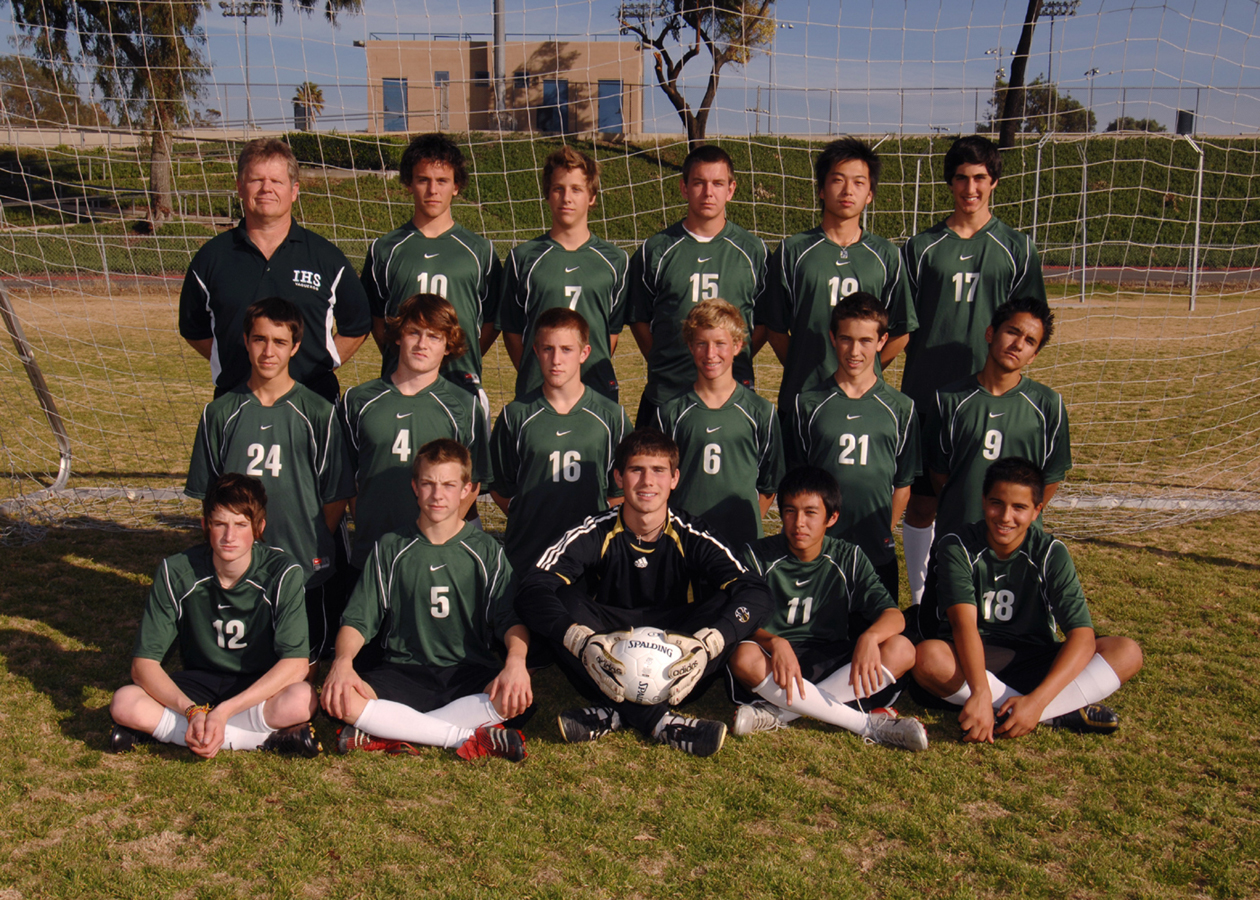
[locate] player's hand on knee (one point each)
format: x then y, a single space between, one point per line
976 720
595 652
866 674
342 683
786 668
1022 716
511 692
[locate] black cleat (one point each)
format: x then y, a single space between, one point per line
1092 719
296 740
123 739
578 726
699 737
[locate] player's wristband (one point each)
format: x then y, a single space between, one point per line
197 708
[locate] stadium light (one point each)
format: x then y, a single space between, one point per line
1054 9
246 10
1091 75
997 51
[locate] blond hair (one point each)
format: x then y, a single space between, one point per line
716 313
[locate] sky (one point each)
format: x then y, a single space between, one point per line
859 66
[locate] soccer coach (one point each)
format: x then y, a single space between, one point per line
270 255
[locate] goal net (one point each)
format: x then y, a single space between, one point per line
1149 236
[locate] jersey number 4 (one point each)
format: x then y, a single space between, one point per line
261 457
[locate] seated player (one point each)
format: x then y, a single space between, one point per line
1001 587
235 606
386 419
553 448
277 430
730 450
566 268
995 413
808 660
863 433
633 566
435 595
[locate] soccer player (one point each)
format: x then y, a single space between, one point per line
812 271
552 449
730 450
961 270
387 419
275 429
570 268
431 254
635 565
235 607
270 255
995 413
1001 587
435 595
863 433
808 659
700 258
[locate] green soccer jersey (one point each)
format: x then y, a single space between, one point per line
673 272
814 600
458 265
434 604
244 629
871 446
556 469
1019 600
726 457
541 275
384 428
975 428
296 448
809 274
957 284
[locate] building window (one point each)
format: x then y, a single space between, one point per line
553 114
610 119
394 95
442 99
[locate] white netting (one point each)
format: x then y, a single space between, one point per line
1150 239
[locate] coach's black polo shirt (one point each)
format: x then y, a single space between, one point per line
229 273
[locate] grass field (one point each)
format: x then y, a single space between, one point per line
1166 808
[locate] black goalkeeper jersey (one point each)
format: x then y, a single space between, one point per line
620 571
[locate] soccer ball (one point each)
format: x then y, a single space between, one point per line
646 655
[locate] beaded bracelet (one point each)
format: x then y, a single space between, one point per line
197 708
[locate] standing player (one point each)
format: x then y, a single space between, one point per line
808 660
436 593
275 429
998 412
387 419
270 255
553 448
1004 589
235 607
812 271
567 267
862 433
636 565
431 254
730 450
700 258
961 270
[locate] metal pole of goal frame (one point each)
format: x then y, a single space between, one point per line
1084 216
1198 224
36 377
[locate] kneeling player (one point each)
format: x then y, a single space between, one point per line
238 610
1003 586
436 593
631 566
806 661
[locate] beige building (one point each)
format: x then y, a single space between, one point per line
571 87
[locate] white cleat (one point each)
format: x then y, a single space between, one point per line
761 715
884 726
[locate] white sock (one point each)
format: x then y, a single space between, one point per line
251 719
1096 682
399 722
837 683
816 703
468 712
171 728
917 543
240 739
1000 690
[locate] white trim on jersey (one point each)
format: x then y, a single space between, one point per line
483 279
552 554
705 535
616 295
529 287
216 364
329 344
1014 266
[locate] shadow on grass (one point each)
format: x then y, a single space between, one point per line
1222 561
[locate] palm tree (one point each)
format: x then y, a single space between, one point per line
308 103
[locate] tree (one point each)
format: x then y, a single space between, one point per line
309 99
1013 101
146 58
33 93
1044 110
731 31
1128 123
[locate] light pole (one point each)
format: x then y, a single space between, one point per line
770 116
246 10
1089 110
1055 8
997 51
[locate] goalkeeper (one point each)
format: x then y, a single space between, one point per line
633 566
